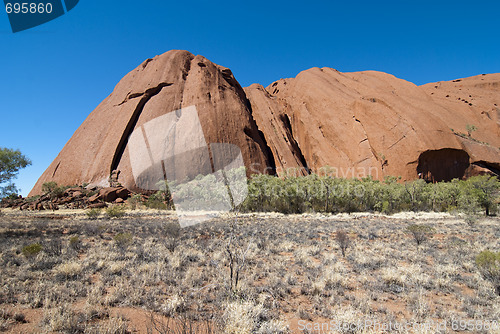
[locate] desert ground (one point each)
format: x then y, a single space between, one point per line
66 272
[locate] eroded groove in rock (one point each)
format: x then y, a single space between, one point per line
297 152
265 146
147 95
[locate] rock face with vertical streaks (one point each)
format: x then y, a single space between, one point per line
372 123
358 124
164 84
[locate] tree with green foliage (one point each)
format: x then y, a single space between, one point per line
324 193
51 188
486 190
420 232
11 161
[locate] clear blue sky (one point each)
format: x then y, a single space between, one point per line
54 75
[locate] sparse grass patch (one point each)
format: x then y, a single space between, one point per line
123 240
68 270
290 268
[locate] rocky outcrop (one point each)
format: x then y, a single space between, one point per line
71 198
358 124
372 123
164 84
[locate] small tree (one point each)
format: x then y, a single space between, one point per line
343 241
51 188
171 232
237 260
470 128
420 232
11 161
485 190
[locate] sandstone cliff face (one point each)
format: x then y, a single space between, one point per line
359 124
164 84
371 123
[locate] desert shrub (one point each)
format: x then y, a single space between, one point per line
93 213
123 240
172 229
178 325
418 193
48 187
343 241
420 232
162 199
51 188
171 232
32 250
68 270
471 219
114 325
53 247
157 201
291 193
8 317
488 263
75 243
242 317
134 201
245 317
115 211
63 319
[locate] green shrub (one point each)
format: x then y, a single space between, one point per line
93 213
123 240
75 242
157 201
48 187
488 263
51 188
324 193
134 201
115 211
32 250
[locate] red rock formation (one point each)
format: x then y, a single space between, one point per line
373 123
363 123
161 85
